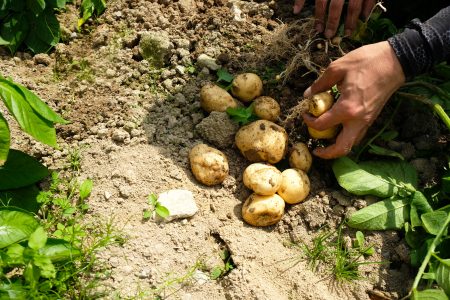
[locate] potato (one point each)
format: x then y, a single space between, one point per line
323 134
263 179
266 108
246 86
320 103
295 186
209 165
300 157
262 140
261 210
214 98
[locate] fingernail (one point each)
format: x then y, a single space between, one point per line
328 33
319 27
307 93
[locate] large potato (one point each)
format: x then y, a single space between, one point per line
320 103
246 87
295 186
262 140
266 108
300 157
214 98
209 165
263 179
261 210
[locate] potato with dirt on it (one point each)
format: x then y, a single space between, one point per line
246 87
319 104
209 165
300 157
295 186
214 98
266 108
262 140
263 179
259 210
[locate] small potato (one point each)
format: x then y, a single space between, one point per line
323 134
214 98
246 87
320 103
300 157
209 165
263 210
266 108
263 179
262 141
295 186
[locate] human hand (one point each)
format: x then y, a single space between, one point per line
366 78
355 9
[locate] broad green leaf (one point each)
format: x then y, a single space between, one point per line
432 221
443 275
415 236
152 199
359 242
59 250
45 34
162 211
431 276
5 140
374 149
14 30
13 291
56 3
242 115
389 135
88 8
386 214
418 254
430 294
419 206
15 254
24 198
147 214
224 75
3 42
45 265
15 226
216 272
99 6
31 122
382 179
20 170
85 189
36 6
37 239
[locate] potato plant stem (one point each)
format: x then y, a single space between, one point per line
428 85
430 252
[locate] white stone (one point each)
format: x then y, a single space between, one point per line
200 277
204 60
179 203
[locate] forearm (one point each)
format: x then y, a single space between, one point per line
422 45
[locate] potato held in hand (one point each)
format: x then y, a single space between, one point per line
319 104
263 210
209 165
214 98
262 141
295 186
263 179
266 108
300 157
247 87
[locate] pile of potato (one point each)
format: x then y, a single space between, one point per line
262 142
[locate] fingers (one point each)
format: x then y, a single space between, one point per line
334 14
298 5
353 12
327 120
344 143
332 75
367 8
320 11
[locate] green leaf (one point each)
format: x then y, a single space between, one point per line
14 30
45 34
56 3
430 294
24 198
443 275
59 250
389 135
13 291
216 272
429 276
147 214
30 121
20 170
432 221
45 265
224 76
374 149
152 199
99 6
15 254
5 140
359 242
37 239
162 211
382 179
419 206
386 214
242 115
36 6
85 189
15 226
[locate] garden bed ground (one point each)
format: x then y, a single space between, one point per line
134 124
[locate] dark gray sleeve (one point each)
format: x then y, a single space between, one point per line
421 45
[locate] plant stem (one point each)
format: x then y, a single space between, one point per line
428 85
430 252
437 108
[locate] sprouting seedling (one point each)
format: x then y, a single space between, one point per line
359 245
156 207
242 115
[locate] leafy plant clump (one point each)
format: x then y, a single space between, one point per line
90 8
155 207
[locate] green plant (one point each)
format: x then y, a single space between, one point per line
242 115
155 207
90 8
32 23
220 271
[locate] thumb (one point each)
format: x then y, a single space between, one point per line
326 81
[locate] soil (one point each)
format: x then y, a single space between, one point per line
135 123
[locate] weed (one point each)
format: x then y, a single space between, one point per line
155 207
220 271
